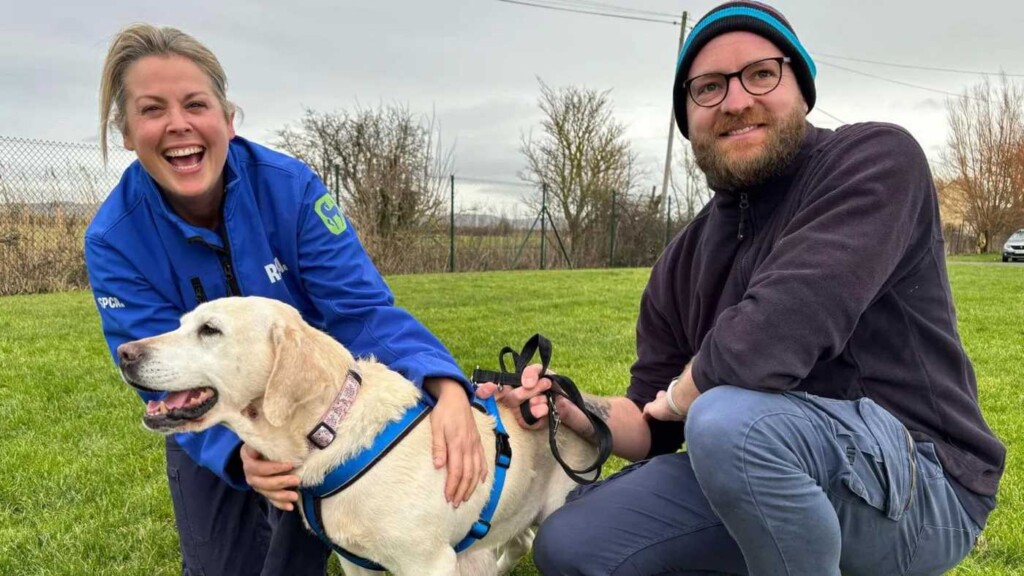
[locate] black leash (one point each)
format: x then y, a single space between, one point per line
562 386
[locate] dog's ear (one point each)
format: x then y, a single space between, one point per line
296 375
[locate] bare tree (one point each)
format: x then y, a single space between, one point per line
689 185
390 169
581 156
983 181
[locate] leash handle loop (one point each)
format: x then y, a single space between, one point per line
561 386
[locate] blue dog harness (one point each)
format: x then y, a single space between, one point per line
352 469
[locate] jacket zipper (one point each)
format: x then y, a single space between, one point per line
197 288
224 256
229 273
225 262
744 215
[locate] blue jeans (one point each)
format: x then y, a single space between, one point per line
228 532
772 484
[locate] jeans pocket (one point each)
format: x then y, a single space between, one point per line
862 473
898 455
938 550
928 463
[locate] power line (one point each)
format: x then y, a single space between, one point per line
575 7
900 82
613 7
915 67
593 13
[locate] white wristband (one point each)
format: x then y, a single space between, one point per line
672 403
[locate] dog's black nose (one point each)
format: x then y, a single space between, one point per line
129 352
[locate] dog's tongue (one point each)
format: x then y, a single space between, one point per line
180 399
173 400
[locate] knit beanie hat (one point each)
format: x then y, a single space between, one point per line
746 16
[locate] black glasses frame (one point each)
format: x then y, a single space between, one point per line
737 74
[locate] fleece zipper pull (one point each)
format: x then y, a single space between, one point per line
744 209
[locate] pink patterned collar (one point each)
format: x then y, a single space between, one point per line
326 430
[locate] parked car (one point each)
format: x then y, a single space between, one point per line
1014 247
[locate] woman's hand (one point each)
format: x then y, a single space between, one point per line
269 478
456 440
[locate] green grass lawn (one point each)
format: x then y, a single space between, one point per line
82 488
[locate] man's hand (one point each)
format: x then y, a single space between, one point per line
683 395
456 440
270 478
532 390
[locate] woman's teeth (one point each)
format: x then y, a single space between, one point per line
185 159
184 151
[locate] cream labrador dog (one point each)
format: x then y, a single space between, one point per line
255 365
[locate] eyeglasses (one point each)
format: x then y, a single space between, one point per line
757 78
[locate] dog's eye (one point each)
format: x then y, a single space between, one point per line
209 330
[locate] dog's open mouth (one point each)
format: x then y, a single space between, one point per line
179 408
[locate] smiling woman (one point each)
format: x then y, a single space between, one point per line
180 132
206 214
172 110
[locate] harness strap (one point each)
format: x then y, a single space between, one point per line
562 386
354 468
502 460
311 510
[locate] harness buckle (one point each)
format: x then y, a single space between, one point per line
480 529
321 436
503 450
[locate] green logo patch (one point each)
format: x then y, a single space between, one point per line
328 211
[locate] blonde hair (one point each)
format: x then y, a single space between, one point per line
138 41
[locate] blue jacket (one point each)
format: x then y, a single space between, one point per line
282 236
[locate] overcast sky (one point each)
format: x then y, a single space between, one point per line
475 63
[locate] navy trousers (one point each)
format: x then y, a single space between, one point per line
772 484
228 532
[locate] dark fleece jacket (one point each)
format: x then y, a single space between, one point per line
830 279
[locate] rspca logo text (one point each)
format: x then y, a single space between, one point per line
275 270
109 302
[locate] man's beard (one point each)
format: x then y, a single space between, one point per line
785 137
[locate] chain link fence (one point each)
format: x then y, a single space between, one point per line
515 225
49 192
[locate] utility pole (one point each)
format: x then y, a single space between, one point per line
672 116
